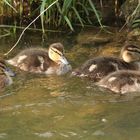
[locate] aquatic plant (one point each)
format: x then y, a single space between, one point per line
69 12
66 13
131 11
136 19
136 23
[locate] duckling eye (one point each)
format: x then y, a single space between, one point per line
57 52
136 50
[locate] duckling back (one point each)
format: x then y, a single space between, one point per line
31 54
95 69
99 67
28 60
37 60
122 82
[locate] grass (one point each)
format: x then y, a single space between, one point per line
65 13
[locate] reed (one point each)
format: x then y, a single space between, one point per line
135 17
65 13
136 23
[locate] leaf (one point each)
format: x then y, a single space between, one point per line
66 6
96 13
86 11
68 22
10 5
78 16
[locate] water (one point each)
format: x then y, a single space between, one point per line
38 107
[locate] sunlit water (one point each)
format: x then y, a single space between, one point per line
38 107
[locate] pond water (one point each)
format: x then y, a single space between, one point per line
38 107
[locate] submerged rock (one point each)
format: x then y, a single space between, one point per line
94 37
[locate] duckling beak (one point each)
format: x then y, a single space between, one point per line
64 60
10 72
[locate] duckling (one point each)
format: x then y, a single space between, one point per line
5 75
38 60
96 68
122 81
130 53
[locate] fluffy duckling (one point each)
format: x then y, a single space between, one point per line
5 75
130 53
37 60
96 68
122 81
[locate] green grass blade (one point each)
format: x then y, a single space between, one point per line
43 4
68 22
86 11
78 16
10 5
60 11
84 8
66 6
136 21
96 13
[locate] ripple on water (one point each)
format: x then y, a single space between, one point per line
49 134
19 106
3 135
68 134
45 134
64 107
98 133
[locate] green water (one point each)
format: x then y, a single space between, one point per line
38 107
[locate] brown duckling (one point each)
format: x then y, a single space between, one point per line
122 81
130 53
38 60
96 68
5 75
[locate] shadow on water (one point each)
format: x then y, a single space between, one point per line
40 107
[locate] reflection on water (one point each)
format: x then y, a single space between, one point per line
40 107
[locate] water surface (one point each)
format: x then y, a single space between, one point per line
38 107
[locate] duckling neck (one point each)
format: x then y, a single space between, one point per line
9 80
137 65
63 68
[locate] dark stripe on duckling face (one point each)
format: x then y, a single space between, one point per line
58 46
136 49
56 51
130 53
2 67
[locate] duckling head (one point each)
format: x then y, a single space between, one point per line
5 70
56 53
130 53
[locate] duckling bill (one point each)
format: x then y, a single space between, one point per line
38 60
